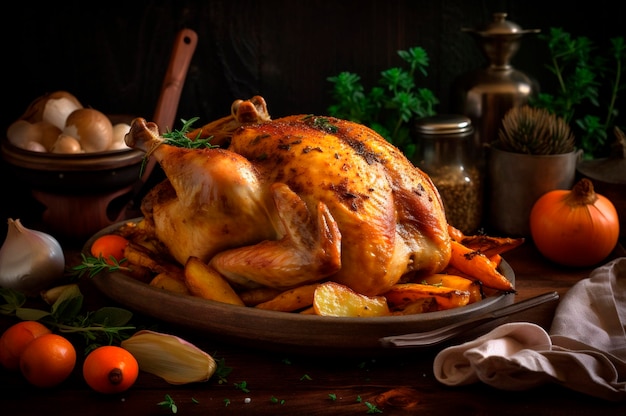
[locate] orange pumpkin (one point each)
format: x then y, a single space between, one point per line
576 227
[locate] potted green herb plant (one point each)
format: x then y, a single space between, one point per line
588 82
534 153
389 107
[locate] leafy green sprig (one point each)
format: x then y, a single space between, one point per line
222 371
92 266
243 386
389 107
582 76
105 326
169 403
179 138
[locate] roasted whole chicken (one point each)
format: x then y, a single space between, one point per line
294 200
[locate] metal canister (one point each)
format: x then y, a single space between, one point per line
447 153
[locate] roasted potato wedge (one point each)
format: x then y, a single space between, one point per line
334 299
291 300
253 297
205 282
170 282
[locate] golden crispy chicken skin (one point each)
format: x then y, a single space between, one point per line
295 200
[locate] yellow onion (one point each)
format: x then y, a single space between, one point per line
119 133
91 128
66 144
38 136
53 108
169 357
30 260
49 133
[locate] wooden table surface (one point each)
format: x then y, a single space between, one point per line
281 384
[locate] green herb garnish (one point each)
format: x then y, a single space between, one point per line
169 403
583 74
322 123
179 138
276 401
222 371
389 107
104 326
371 408
243 386
95 265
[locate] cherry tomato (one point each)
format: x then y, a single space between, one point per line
48 360
15 339
110 369
109 245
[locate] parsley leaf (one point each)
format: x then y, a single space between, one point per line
388 107
242 386
169 403
222 371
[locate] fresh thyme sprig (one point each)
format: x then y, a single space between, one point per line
94 265
106 326
179 138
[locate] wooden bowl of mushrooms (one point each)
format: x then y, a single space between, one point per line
75 161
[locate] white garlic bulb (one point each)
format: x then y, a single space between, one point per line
30 260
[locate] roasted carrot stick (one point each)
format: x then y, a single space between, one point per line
477 265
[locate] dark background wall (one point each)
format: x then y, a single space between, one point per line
113 55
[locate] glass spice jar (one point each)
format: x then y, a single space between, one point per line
446 151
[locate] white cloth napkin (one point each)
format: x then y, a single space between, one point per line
585 349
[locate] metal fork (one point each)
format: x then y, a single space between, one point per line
436 336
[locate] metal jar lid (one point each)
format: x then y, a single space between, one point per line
444 124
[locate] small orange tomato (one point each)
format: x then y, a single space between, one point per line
48 360
15 339
110 369
109 245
